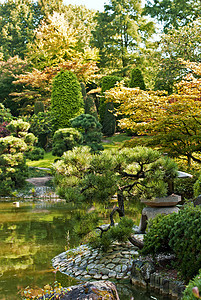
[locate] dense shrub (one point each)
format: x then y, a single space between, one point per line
41 125
137 79
38 107
5 115
191 293
90 129
66 98
180 234
35 154
106 110
65 139
120 233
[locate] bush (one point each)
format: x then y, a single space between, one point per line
36 153
197 187
65 139
66 98
106 110
137 79
189 293
38 107
180 234
90 129
41 125
120 233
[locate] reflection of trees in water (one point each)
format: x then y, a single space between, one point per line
35 241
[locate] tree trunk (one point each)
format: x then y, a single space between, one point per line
136 242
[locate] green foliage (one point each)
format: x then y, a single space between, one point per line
106 110
120 233
173 13
38 107
109 82
180 234
13 169
137 79
90 107
190 292
118 32
197 187
65 139
41 125
84 224
90 128
35 154
83 176
5 115
66 98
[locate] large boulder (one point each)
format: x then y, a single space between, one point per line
89 290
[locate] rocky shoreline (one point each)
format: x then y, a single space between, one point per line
86 263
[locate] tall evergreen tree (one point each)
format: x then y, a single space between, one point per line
16 26
173 13
66 98
119 30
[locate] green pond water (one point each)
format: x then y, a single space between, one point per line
32 234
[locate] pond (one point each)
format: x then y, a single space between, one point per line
32 234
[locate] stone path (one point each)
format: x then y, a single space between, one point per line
86 263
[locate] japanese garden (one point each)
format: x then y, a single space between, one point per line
100 150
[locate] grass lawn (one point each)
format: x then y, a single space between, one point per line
115 141
46 162
110 142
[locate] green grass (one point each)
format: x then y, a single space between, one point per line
46 162
112 142
115 141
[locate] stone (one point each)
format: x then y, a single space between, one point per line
92 272
124 268
141 271
112 274
97 276
110 266
91 266
89 290
104 271
104 277
118 269
78 259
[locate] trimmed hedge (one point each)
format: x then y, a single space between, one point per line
66 98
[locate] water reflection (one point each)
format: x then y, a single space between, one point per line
31 235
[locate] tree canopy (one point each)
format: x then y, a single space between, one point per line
172 122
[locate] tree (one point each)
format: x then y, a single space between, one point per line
173 13
5 118
66 100
182 43
8 71
41 125
91 131
172 122
13 169
65 139
119 30
106 110
137 79
136 173
57 46
17 25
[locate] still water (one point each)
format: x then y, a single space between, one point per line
32 234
